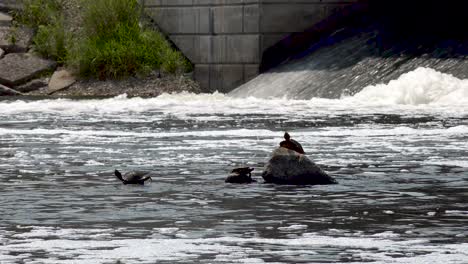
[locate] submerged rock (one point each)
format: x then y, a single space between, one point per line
290 167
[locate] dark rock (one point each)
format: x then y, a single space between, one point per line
5 91
289 167
32 86
240 175
18 68
2 53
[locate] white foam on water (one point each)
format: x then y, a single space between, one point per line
166 230
254 133
457 213
421 86
386 234
93 163
292 227
423 90
448 162
88 246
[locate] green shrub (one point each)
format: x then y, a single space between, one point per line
51 41
104 17
114 45
111 43
44 16
172 61
38 12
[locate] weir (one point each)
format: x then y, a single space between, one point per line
328 43
226 39
373 45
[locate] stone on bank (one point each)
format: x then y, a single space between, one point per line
5 91
15 40
32 85
19 68
5 19
60 80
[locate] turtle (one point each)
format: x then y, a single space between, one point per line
243 170
291 144
241 175
134 177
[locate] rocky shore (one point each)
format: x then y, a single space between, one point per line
149 86
22 72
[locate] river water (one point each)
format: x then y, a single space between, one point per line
399 152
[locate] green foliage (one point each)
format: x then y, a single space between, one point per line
38 12
114 45
44 16
111 44
13 35
105 17
51 41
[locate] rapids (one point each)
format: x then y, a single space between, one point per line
399 151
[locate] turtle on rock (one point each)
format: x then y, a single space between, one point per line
291 144
134 177
241 175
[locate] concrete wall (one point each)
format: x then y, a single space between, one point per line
225 39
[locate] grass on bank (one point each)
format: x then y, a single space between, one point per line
45 17
110 42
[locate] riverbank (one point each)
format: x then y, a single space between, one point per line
25 70
149 86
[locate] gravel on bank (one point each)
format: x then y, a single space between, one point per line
150 86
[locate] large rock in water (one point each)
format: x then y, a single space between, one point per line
289 167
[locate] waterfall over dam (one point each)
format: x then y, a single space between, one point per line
370 49
328 43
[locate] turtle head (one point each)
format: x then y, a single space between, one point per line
286 136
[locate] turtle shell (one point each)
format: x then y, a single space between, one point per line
134 177
292 145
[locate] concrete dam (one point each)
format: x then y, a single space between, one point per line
231 41
225 39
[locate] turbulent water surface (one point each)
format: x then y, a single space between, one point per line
399 152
